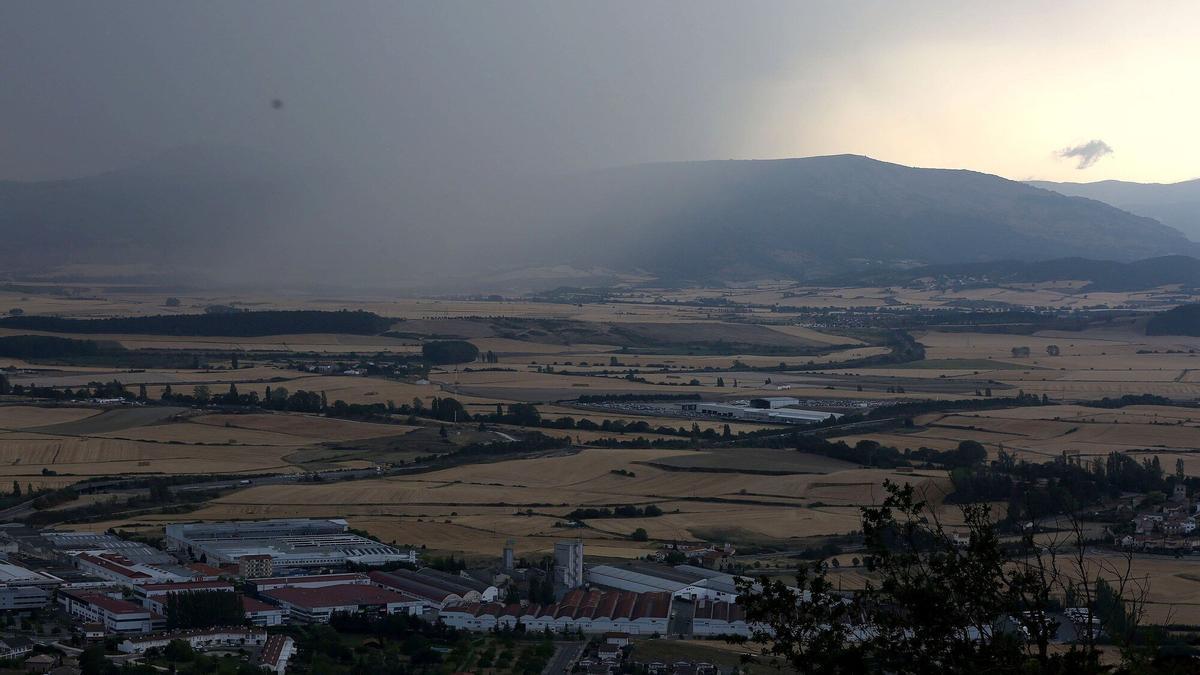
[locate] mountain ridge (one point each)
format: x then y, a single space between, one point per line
790 215
1175 204
222 209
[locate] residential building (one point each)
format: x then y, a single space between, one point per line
618 639
276 653
201 638
40 663
14 647
255 566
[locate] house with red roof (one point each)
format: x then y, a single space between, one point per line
117 616
276 653
260 613
316 605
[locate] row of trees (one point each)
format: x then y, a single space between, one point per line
1062 485
623 511
203 609
236 324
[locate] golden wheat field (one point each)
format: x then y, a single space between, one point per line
29 417
1044 432
474 508
78 442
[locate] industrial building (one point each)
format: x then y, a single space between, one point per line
579 610
773 402
309 581
767 411
14 576
290 543
712 619
568 565
22 588
117 616
683 582
317 605
23 598
116 567
433 590
260 613
70 544
487 592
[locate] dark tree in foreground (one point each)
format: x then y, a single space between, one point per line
941 604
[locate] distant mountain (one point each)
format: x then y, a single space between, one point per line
1174 204
1103 275
239 216
804 217
190 206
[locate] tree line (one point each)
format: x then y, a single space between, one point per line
623 511
238 324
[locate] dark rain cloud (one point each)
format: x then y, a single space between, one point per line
1087 154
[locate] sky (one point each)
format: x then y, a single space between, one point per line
442 90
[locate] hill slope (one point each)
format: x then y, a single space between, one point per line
804 216
1174 204
192 206
1182 320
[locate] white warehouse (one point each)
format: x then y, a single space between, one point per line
777 415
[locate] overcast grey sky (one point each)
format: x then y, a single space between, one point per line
429 87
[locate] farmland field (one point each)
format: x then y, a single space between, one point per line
452 510
666 345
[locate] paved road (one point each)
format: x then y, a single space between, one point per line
565 655
277 479
18 511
